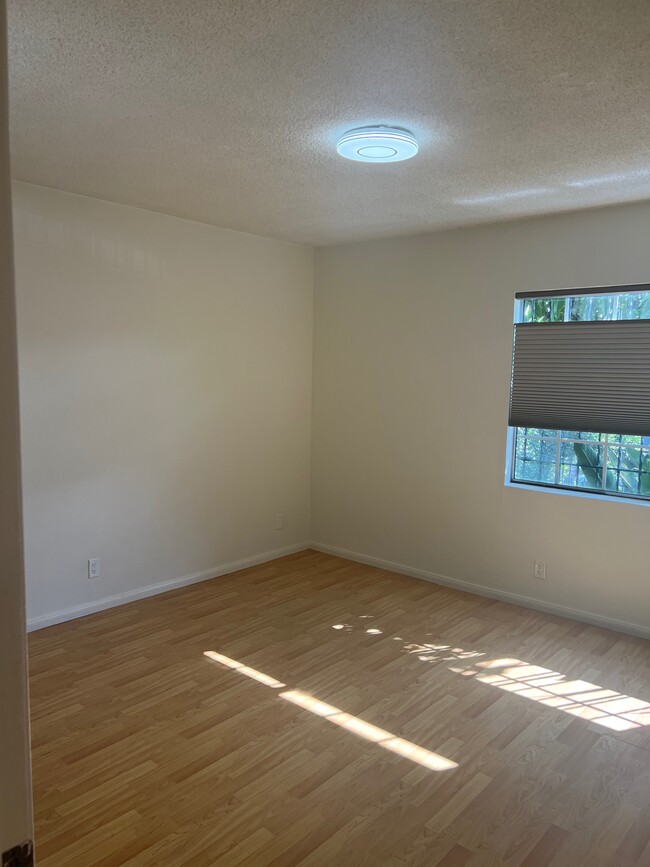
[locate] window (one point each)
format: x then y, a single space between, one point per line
611 463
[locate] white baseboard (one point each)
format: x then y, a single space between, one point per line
61 616
490 592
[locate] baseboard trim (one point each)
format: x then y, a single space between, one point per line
491 592
65 614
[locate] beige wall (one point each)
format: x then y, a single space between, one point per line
412 360
166 398
165 371
15 790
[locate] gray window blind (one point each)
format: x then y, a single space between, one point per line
585 376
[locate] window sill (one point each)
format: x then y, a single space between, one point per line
583 495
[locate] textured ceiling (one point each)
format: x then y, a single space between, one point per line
227 111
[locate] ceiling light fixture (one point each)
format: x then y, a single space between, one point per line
377 144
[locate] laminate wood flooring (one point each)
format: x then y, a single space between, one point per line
348 716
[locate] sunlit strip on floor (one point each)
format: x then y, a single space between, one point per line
382 738
351 723
245 669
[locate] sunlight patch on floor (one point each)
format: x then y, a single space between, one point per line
576 697
351 723
552 689
370 732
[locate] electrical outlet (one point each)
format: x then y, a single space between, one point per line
540 570
93 568
279 521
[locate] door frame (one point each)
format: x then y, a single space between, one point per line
16 816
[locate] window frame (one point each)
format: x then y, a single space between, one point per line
601 493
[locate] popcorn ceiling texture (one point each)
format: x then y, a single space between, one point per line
227 111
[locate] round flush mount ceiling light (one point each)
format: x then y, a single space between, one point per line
377 144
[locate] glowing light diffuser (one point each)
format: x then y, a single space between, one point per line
377 144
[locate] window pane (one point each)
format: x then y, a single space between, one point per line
589 436
630 470
581 435
569 469
632 440
581 461
537 432
629 305
624 466
544 309
535 459
581 464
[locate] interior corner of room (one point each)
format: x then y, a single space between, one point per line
325 441
169 422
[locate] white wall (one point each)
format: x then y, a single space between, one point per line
166 397
165 374
412 360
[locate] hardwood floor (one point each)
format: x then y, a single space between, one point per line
533 731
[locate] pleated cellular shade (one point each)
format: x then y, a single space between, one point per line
582 376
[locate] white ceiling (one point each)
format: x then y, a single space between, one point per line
227 111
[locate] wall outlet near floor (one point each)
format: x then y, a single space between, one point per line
540 570
279 521
93 568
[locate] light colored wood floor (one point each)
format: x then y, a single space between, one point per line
146 752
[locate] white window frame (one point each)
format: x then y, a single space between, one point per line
557 488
